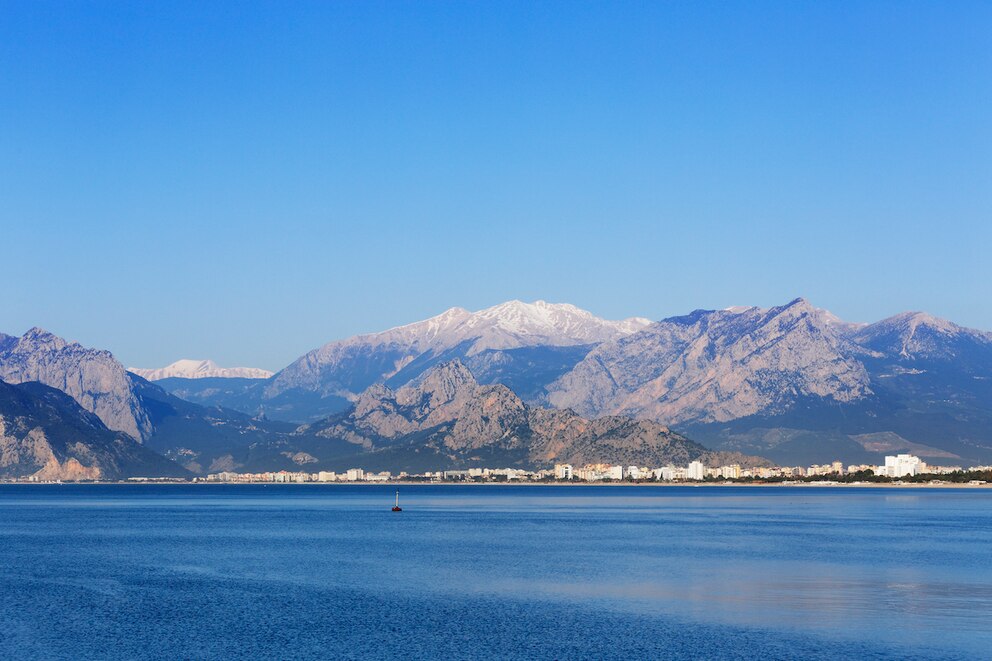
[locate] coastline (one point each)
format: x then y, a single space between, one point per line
398 483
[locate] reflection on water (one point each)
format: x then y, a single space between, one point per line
889 572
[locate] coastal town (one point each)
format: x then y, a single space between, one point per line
895 467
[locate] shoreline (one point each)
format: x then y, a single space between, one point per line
398 483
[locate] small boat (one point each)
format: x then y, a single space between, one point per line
396 507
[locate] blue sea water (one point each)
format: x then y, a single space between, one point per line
598 572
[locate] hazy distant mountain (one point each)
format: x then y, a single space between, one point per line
228 392
350 366
201 437
45 433
199 369
446 418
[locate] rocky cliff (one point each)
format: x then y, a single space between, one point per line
44 433
449 414
713 366
92 377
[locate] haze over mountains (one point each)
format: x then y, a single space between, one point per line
532 383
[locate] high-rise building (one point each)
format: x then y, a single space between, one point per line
695 471
900 466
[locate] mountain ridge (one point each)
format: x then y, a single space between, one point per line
92 377
788 382
460 422
187 368
44 433
712 366
545 338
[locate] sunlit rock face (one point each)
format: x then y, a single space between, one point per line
92 377
449 412
715 366
45 434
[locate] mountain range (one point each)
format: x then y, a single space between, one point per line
199 369
524 345
45 433
446 419
791 383
794 383
124 402
474 425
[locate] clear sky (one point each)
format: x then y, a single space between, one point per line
246 181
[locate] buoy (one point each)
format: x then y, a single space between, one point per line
396 507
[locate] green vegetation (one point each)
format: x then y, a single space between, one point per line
957 477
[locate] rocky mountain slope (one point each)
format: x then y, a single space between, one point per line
918 336
793 383
442 417
92 377
525 345
193 435
797 385
44 433
447 419
199 369
714 366
349 366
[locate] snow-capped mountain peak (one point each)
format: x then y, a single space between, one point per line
558 323
919 335
199 369
511 325
507 325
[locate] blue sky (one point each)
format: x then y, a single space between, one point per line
245 181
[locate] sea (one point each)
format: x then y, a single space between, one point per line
494 572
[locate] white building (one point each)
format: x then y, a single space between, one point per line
695 471
731 472
563 471
901 465
356 474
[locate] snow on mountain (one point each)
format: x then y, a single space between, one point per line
347 367
505 326
913 335
199 369
515 323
